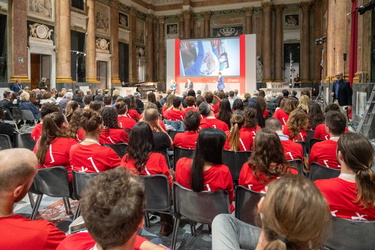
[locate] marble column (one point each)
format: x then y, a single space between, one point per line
181 24
340 38
187 23
248 19
305 42
18 46
162 61
114 42
279 42
149 48
317 34
90 43
132 46
63 68
267 41
331 40
207 23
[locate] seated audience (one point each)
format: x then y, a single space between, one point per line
296 126
46 109
320 130
132 107
25 104
238 139
352 194
53 147
96 105
225 112
209 120
151 97
16 176
206 171
47 97
304 103
209 98
111 133
237 105
6 128
292 150
176 112
124 121
287 106
162 140
286 213
107 99
251 122
67 97
266 163
168 103
75 129
89 156
190 103
315 115
188 139
324 152
87 100
71 106
255 104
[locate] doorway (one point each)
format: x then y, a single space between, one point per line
102 73
40 66
291 60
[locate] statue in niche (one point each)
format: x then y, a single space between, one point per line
259 70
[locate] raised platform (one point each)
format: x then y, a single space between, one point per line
273 91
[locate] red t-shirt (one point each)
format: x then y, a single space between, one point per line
253 131
18 232
81 134
292 150
218 177
190 108
281 115
301 136
324 153
265 113
125 122
214 123
57 153
155 164
37 132
321 133
174 115
187 139
216 107
92 158
248 179
115 135
132 113
84 241
340 195
246 140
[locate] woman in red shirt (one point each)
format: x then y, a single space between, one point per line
352 194
266 163
89 156
112 133
237 141
206 172
251 122
188 139
124 121
75 130
286 107
132 106
296 126
52 149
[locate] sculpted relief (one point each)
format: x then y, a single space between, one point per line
43 9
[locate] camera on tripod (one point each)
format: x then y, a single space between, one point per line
321 40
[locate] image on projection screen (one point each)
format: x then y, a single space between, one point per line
208 57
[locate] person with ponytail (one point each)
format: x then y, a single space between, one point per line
352 194
236 140
124 121
206 171
53 147
89 156
294 215
266 163
112 133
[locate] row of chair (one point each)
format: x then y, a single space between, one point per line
20 140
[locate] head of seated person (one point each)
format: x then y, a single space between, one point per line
335 123
151 116
192 120
176 102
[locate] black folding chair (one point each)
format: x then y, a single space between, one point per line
303 144
246 204
158 197
53 182
25 141
5 142
318 172
119 148
298 164
351 234
182 152
235 160
310 135
201 207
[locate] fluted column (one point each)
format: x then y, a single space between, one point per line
63 68
305 42
149 47
267 41
207 21
187 23
114 41
317 34
249 19
331 40
161 76
340 38
279 42
132 46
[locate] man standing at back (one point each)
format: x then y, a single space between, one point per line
16 176
342 94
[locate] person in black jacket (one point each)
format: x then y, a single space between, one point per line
342 93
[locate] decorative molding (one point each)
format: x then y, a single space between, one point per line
150 18
40 31
305 6
102 44
133 11
115 3
102 19
267 6
161 19
123 20
207 14
42 9
248 11
78 20
279 8
187 13
140 51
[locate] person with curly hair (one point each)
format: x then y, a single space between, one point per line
75 128
112 133
287 105
251 122
296 126
315 115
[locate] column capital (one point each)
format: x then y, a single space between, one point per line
161 19
248 11
150 18
267 6
317 2
305 6
187 13
115 3
279 8
206 14
133 11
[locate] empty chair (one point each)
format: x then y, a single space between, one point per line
5 142
351 234
157 194
201 207
119 148
246 204
318 172
25 141
298 164
313 141
182 152
53 182
234 161
16 113
27 115
303 144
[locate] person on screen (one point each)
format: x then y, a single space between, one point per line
224 63
193 68
220 82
